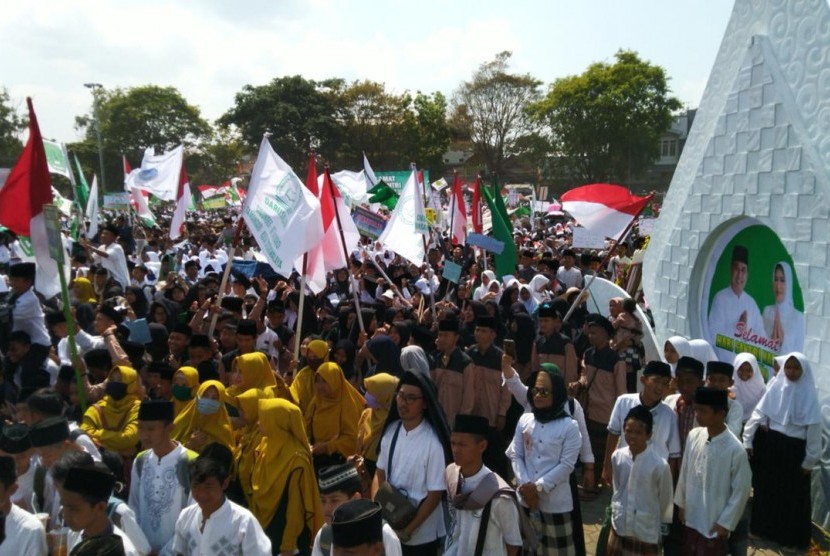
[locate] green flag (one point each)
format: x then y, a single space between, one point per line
506 261
56 158
81 188
383 194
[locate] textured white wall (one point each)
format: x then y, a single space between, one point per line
760 148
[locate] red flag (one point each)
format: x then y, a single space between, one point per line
28 186
331 201
459 216
476 208
603 208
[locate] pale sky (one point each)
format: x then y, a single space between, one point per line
210 49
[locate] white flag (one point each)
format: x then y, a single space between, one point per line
92 208
407 223
281 213
371 179
159 174
351 185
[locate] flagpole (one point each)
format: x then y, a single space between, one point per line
604 262
452 206
346 257
298 338
226 274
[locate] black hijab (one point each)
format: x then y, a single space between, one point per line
558 391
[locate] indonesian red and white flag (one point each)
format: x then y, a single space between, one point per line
459 213
332 202
182 202
27 188
603 208
312 263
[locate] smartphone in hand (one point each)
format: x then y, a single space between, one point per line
510 348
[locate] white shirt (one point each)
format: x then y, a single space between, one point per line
503 525
25 486
545 454
665 436
27 316
229 531
643 495
726 312
519 390
84 341
25 535
84 441
265 341
157 497
569 277
417 467
810 433
391 544
733 419
115 262
714 481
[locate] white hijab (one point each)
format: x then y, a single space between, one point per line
414 359
484 288
681 346
537 283
702 351
747 392
531 303
792 403
791 319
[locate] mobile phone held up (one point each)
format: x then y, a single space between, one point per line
510 348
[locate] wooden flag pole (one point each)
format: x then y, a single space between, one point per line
298 338
346 257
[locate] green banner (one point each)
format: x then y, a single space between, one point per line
397 180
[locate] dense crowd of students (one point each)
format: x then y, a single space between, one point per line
438 417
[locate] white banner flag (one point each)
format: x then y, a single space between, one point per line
351 185
159 174
408 221
282 214
92 208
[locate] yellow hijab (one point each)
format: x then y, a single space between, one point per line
302 388
191 380
283 452
216 426
334 418
382 388
256 372
250 436
84 292
115 411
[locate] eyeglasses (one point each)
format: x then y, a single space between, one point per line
408 398
541 392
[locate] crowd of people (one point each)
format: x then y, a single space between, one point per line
432 417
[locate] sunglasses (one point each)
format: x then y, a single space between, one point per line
541 392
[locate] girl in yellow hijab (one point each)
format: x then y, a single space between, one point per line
302 388
113 421
185 384
285 498
205 419
253 370
249 437
83 290
332 416
380 394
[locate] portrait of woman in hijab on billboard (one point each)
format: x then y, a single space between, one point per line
782 321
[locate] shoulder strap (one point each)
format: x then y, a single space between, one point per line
39 486
183 472
482 528
392 453
572 407
75 434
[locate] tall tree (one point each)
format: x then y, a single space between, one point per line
432 131
491 109
216 161
299 112
134 119
604 124
11 124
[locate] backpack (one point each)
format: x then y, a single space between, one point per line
182 468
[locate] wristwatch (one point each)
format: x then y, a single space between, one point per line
539 488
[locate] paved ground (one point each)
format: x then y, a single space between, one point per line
594 512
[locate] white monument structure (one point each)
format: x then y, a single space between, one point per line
740 255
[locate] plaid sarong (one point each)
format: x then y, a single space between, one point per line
555 533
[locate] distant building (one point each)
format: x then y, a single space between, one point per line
658 176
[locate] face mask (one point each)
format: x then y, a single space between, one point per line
116 390
181 392
372 401
207 406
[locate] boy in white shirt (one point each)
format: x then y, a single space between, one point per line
214 525
642 498
22 532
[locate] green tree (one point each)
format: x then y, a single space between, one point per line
604 124
491 109
299 112
432 131
11 123
216 161
134 119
